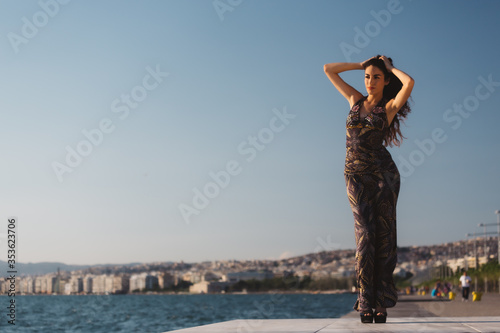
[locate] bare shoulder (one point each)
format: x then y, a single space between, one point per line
355 98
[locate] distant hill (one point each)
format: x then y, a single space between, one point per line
41 268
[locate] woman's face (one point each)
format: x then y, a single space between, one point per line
374 80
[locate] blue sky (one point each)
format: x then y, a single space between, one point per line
174 92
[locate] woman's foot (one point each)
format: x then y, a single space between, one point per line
380 315
366 316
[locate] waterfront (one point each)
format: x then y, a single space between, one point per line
161 313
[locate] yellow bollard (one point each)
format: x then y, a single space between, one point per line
451 295
476 297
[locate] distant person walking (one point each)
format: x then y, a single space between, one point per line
465 280
371 176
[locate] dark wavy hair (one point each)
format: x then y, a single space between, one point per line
393 134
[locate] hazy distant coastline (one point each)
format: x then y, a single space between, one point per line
319 272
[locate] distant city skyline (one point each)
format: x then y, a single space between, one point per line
419 263
206 130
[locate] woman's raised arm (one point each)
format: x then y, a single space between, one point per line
332 71
397 102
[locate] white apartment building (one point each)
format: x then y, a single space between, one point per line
87 283
138 281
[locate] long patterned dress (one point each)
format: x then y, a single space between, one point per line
372 181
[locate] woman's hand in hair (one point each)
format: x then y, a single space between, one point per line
366 61
387 63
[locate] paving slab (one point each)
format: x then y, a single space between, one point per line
411 314
419 324
341 325
262 325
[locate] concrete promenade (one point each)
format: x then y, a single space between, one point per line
412 314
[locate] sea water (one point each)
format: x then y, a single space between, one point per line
161 313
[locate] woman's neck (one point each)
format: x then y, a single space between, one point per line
374 99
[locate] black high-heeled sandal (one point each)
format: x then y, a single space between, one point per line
380 317
366 317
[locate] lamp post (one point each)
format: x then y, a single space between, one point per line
498 233
484 243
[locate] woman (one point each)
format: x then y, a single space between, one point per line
372 178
